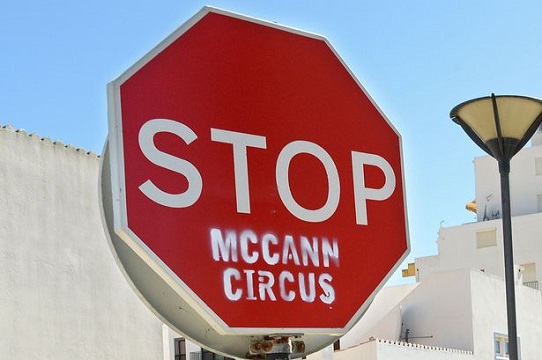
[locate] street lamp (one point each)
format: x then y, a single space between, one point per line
501 126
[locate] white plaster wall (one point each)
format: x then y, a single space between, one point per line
62 295
439 311
326 353
457 250
366 351
487 188
414 352
192 347
537 138
524 184
457 244
489 312
489 315
529 318
527 238
168 342
168 339
457 247
384 349
382 319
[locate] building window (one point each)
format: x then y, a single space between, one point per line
180 349
337 345
486 239
501 347
529 275
538 166
206 354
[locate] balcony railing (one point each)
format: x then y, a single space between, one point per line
531 284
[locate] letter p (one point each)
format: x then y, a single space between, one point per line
361 192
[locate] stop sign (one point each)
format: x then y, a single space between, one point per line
255 176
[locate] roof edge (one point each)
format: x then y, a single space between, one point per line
55 143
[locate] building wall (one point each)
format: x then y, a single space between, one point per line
525 184
489 315
458 248
456 315
529 318
383 318
390 350
438 312
385 349
62 295
169 336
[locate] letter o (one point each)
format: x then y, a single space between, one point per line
283 183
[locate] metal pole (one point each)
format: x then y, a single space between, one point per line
509 274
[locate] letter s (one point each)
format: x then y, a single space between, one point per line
328 295
170 162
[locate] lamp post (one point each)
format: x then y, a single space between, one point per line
501 126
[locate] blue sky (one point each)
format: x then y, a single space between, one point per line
417 59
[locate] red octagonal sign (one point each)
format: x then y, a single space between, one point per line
253 173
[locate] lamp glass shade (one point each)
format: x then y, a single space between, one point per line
517 114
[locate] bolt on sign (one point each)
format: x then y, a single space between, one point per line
251 175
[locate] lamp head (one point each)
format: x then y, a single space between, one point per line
500 125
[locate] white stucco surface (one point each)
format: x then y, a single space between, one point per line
383 318
386 349
525 184
62 295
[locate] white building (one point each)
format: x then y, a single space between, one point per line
62 296
457 307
